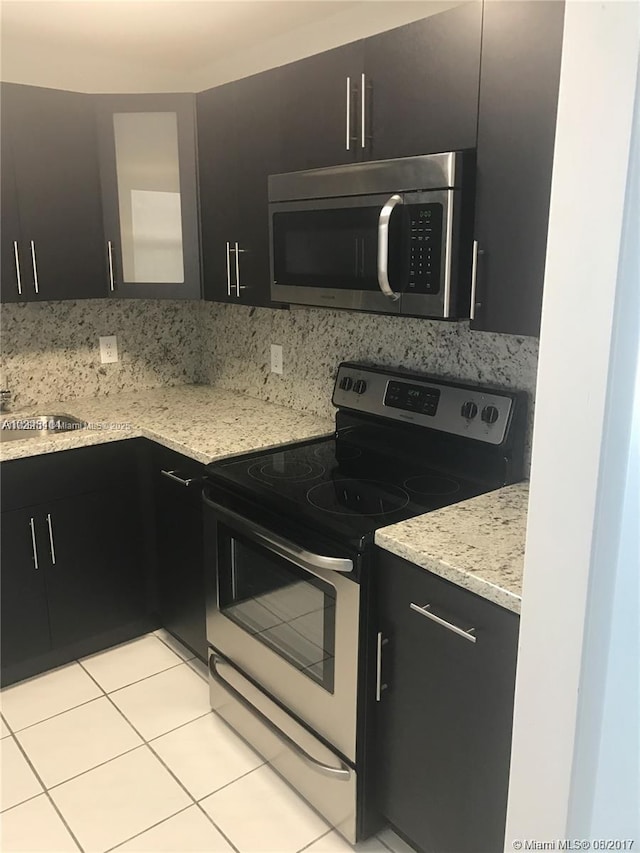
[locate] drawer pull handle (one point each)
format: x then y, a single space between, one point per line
342 773
425 611
184 481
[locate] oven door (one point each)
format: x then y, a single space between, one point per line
288 618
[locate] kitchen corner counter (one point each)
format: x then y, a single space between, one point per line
477 544
200 421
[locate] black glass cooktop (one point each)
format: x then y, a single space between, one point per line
342 489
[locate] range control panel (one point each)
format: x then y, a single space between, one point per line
474 412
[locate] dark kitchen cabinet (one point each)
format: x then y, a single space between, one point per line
24 626
423 80
52 245
445 715
177 483
410 90
74 564
147 148
238 148
96 583
319 108
521 47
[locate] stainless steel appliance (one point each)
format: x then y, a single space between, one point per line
391 236
289 545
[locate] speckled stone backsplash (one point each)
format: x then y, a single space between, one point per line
237 352
50 350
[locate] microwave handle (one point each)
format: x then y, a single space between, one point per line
383 246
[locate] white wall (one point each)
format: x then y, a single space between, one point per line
104 64
605 788
342 28
597 84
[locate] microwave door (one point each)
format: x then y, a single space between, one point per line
325 252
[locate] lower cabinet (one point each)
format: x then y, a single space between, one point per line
445 712
74 564
177 485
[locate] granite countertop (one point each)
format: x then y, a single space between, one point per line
477 544
200 421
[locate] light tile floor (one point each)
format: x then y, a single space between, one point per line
120 751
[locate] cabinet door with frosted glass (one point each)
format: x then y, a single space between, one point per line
149 192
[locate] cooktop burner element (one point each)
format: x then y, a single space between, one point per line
362 497
281 468
432 484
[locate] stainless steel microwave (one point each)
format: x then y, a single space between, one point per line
390 236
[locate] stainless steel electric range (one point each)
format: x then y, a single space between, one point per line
289 549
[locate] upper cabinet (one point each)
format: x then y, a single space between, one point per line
521 48
319 108
149 195
421 86
411 90
238 148
51 212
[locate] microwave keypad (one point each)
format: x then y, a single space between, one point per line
425 237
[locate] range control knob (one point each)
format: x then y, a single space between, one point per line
359 386
345 383
469 410
490 414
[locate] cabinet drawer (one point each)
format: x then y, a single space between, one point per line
50 476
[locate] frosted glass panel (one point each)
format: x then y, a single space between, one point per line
149 197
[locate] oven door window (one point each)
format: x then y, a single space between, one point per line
283 606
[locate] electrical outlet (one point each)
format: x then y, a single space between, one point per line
108 349
276 358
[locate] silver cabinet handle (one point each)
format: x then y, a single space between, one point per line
239 286
112 283
237 271
53 550
342 773
425 611
35 267
289 550
17 260
348 144
383 246
474 279
184 481
363 107
228 268
380 642
33 543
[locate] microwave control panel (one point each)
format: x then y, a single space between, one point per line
425 241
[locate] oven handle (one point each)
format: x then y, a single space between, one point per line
289 550
383 246
342 773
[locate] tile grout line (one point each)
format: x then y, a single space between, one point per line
139 680
153 826
45 791
100 687
53 716
168 769
184 660
324 835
